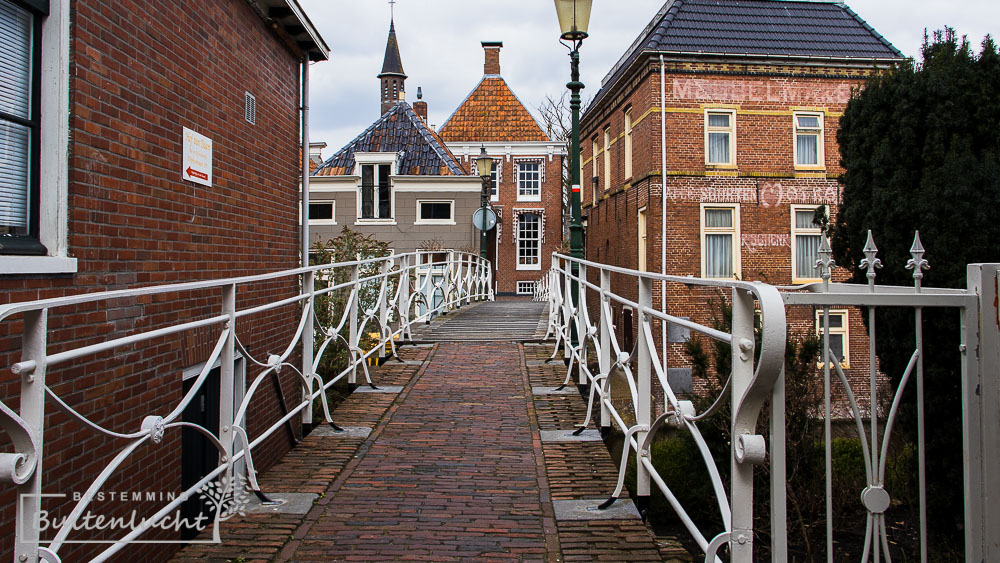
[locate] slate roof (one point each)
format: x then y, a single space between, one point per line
392 63
757 27
491 112
399 130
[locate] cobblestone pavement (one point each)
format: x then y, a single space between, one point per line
454 469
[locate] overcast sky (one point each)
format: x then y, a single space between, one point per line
439 42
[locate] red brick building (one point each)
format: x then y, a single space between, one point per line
752 92
94 196
526 189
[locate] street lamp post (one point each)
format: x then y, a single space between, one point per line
484 164
574 18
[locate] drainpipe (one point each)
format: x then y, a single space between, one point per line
305 161
663 203
307 279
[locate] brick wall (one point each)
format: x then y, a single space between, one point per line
764 181
507 274
140 72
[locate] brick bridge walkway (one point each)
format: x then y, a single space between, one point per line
462 454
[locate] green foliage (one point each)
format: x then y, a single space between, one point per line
330 308
921 150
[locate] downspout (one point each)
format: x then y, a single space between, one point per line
307 278
305 161
663 203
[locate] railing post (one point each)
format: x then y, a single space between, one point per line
582 328
383 310
779 516
567 307
644 389
29 502
308 288
741 539
403 306
605 358
227 375
428 287
980 417
352 378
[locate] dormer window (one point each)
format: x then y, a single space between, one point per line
375 197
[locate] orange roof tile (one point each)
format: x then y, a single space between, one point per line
491 113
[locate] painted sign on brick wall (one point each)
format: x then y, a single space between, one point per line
764 91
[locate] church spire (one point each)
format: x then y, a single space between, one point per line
392 77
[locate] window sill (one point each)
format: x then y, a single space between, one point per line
37 265
803 281
322 223
525 267
529 198
362 222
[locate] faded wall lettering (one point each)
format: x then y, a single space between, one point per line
757 90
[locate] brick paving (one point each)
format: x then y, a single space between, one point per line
454 469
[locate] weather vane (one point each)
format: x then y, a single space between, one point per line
392 9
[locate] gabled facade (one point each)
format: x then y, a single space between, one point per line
526 187
740 144
399 182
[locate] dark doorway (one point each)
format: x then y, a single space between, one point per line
199 456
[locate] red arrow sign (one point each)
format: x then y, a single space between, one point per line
196 174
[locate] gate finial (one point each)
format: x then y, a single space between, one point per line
870 262
917 263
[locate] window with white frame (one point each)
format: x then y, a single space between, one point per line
529 179
642 240
441 212
20 60
808 140
376 192
607 158
720 137
628 143
806 238
839 336
529 241
720 235
595 150
525 287
322 213
496 174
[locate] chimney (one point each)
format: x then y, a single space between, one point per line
420 106
316 155
492 66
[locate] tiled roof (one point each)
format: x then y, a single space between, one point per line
400 130
491 113
767 27
392 63
757 27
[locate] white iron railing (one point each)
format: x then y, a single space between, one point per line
420 289
752 385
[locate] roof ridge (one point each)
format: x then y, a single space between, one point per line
541 129
646 31
361 135
466 99
432 139
486 97
870 29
